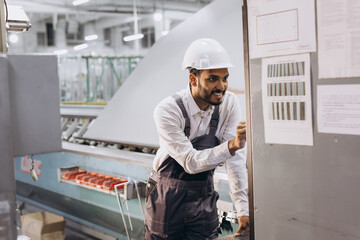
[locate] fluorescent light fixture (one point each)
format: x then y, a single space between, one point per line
91 37
61 52
164 32
80 47
78 2
157 16
133 37
13 38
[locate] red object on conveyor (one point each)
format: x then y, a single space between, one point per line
79 178
93 179
109 184
85 180
99 182
117 182
70 175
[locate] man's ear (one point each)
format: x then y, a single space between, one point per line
192 79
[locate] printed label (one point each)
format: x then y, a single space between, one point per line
26 165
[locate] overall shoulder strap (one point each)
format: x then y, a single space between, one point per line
180 103
214 121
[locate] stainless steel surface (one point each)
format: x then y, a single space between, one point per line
7 177
305 192
143 159
34 90
89 111
25 94
128 117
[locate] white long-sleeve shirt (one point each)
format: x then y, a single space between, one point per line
170 125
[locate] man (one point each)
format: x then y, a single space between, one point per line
198 129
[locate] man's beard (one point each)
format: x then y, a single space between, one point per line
206 97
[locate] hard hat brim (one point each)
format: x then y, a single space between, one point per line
229 65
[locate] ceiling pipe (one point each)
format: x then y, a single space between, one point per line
136 30
106 8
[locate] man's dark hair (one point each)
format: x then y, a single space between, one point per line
194 71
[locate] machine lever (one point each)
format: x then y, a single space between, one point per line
127 209
138 196
121 209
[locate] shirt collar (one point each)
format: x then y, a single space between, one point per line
193 107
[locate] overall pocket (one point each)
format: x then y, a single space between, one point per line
149 188
210 214
156 204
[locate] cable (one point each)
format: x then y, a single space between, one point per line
7 12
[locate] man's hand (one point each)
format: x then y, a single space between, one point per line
239 141
244 225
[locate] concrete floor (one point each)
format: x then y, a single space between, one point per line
244 236
73 231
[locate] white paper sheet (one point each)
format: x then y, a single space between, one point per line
338 109
338 38
286 92
281 27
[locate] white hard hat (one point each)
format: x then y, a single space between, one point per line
206 53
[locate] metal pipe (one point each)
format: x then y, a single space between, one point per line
127 209
87 80
138 196
136 28
121 209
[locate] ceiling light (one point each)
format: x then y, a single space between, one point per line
91 37
157 16
13 38
78 2
164 32
61 52
80 47
133 37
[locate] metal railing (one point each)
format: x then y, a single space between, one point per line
88 79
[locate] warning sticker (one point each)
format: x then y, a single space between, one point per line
26 165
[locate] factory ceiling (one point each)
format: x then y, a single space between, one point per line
95 10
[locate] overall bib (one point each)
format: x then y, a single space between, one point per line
181 205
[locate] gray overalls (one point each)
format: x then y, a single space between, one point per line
181 205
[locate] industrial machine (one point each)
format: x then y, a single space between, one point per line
117 143
64 188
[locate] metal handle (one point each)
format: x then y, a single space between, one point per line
121 209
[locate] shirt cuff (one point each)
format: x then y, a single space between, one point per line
226 146
242 209
225 152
